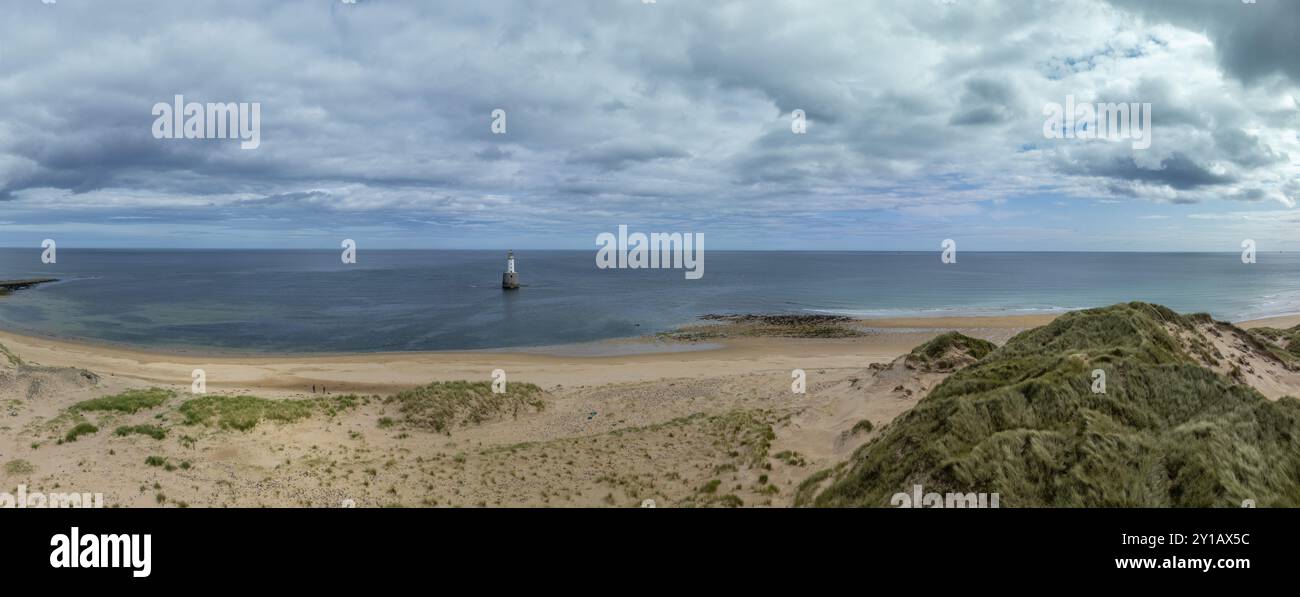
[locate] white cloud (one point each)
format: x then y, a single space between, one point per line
625 111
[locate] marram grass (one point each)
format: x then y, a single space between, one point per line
1024 422
442 406
129 401
245 412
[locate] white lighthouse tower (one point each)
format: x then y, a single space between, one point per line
510 279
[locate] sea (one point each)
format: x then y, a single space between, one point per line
291 301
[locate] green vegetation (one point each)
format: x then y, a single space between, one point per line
807 490
245 412
442 406
80 430
728 501
949 351
1284 344
13 359
129 401
746 430
155 461
150 430
242 412
790 458
18 467
863 426
1024 422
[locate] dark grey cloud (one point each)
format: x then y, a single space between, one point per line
987 101
1178 171
1252 40
1246 149
618 154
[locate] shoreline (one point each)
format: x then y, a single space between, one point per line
622 360
627 346
1275 321
602 348
633 345
365 373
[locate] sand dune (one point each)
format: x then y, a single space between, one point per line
684 428
616 429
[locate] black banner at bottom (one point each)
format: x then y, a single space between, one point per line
537 548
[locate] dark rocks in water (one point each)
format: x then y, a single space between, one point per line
778 319
774 325
7 286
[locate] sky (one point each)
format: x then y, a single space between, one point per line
924 121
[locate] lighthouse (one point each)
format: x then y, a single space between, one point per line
510 279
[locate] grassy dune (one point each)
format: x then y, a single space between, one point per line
245 412
1285 344
948 351
126 402
1024 422
441 406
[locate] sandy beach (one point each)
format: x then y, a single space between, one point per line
614 430
695 424
383 372
547 366
1280 322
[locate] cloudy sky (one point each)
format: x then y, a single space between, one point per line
925 121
